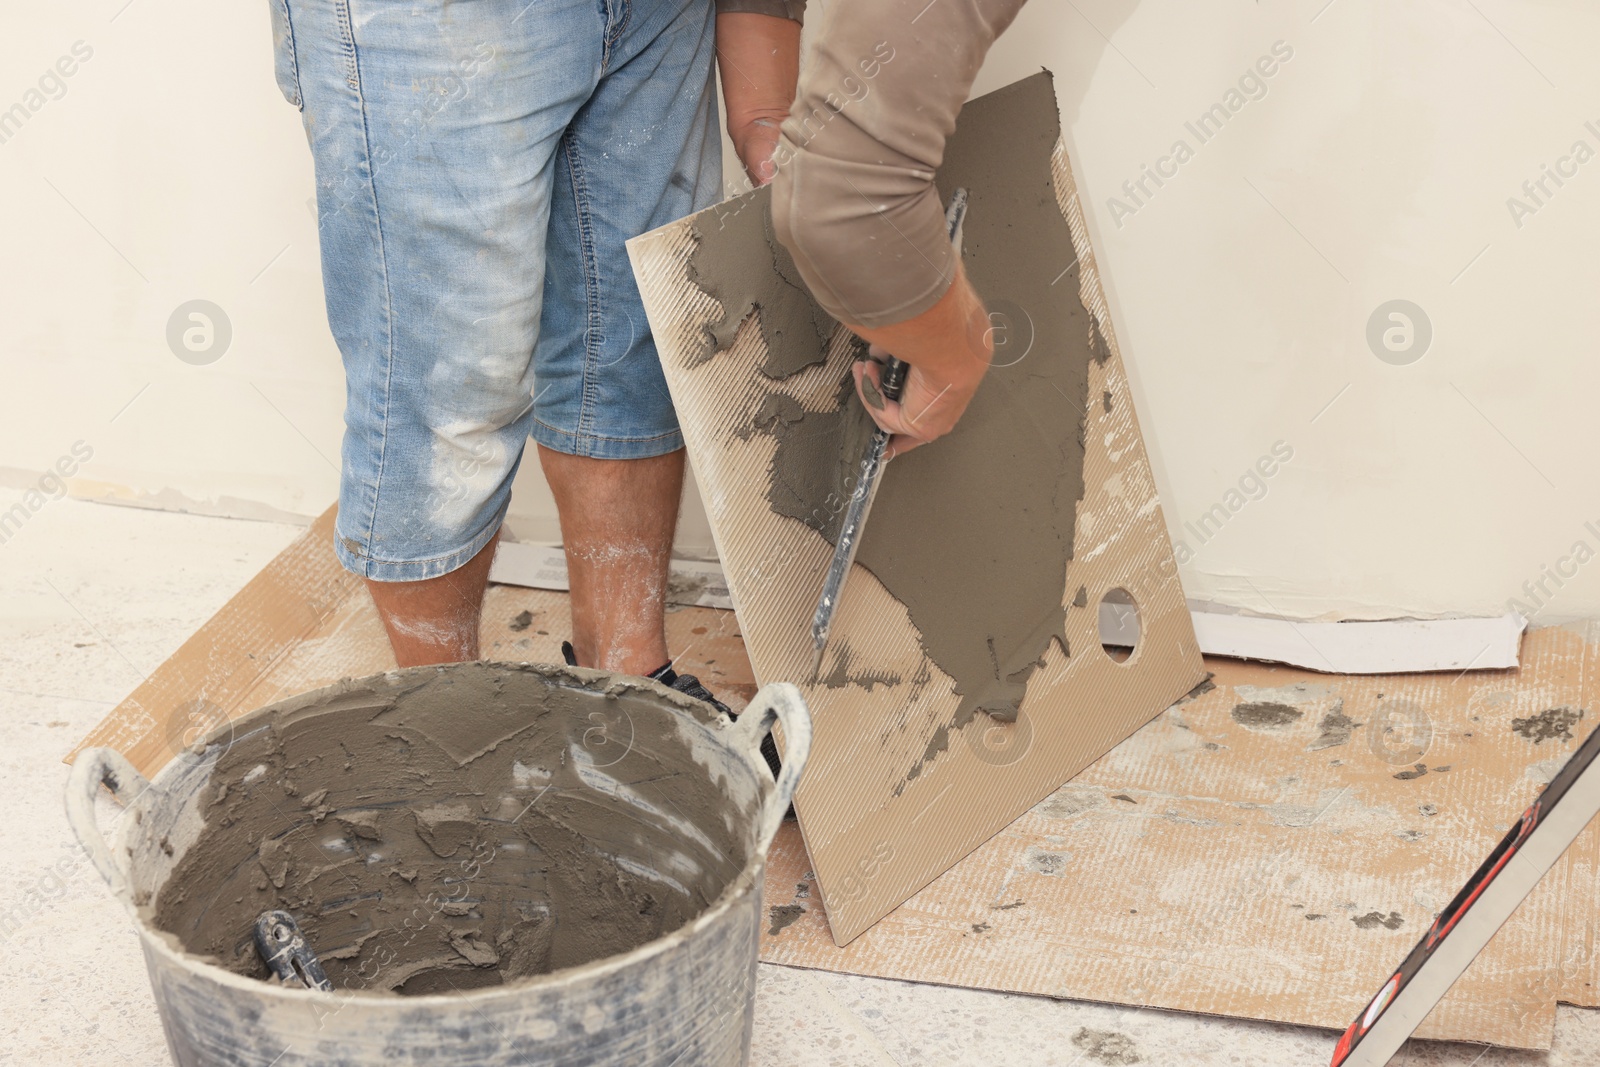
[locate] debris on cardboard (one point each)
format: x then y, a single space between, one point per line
1277 840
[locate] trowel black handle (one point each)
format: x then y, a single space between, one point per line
892 381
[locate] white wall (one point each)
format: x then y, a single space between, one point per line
1377 166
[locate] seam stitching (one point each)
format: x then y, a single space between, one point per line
591 281
347 44
383 268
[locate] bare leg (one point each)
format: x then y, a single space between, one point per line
435 620
617 521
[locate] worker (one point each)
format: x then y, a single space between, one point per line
479 166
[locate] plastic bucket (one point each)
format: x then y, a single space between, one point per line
685 997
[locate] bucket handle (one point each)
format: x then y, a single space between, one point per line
93 768
777 702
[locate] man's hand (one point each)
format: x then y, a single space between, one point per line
759 57
949 348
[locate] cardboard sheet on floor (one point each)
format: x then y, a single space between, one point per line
1254 852
1268 849
906 776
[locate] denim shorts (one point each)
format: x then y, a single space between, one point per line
479 166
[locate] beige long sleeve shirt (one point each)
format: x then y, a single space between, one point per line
854 200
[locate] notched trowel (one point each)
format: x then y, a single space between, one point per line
892 381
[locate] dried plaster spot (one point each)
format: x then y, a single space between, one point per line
1266 715
1552 724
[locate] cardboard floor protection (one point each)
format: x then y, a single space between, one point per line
1266 850
899 787
1269 849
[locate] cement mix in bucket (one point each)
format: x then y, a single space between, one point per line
453 836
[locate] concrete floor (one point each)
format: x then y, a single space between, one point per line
93 598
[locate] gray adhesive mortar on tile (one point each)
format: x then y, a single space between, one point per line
972 533
740 262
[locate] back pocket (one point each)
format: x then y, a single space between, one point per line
285 65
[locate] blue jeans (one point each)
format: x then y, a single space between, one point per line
479 165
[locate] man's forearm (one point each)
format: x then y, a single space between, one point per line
855 201
949 347
856 205
759 59
951 341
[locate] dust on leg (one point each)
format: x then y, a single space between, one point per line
435 620
618 517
